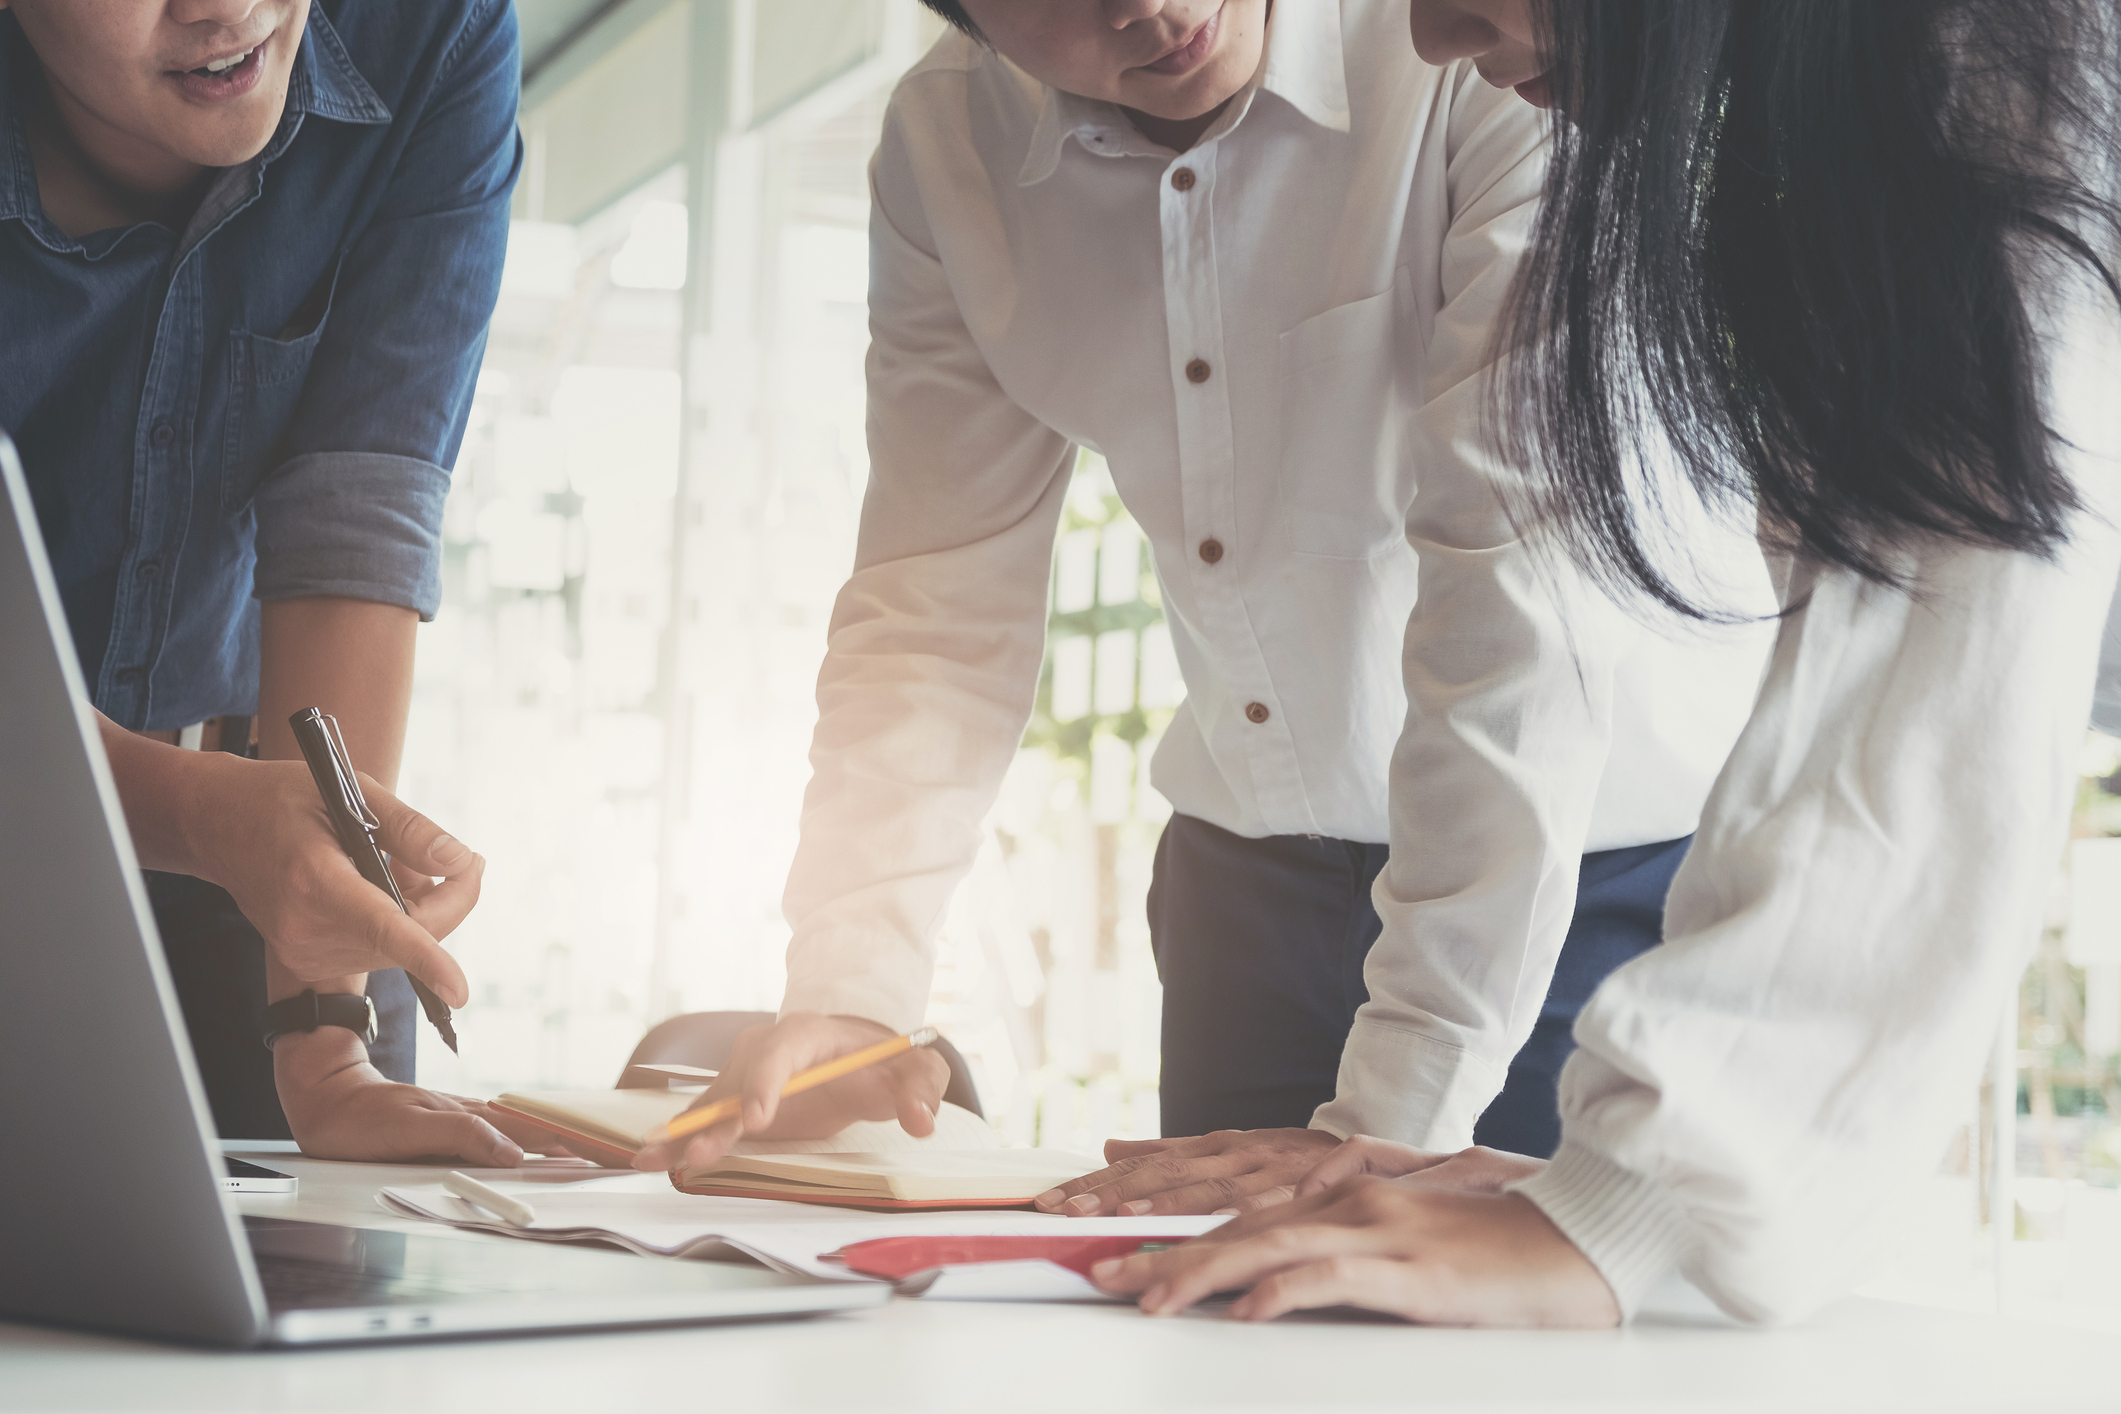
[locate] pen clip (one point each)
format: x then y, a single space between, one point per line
342 769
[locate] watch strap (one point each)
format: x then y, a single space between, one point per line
353 1011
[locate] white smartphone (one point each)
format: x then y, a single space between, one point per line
255 1178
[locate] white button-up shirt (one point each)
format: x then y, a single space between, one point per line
1278 341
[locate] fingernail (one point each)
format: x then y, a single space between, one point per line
1106 1270
1136 1208
446 850
1153 1299
1083 1204
1224 1213
1048 1199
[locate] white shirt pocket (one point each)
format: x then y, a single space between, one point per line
1345 483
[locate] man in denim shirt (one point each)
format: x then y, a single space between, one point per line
248 251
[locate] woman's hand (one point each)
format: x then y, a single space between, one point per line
1475 1170
258 829
1401 1248
340 1107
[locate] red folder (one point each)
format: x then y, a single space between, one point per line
896 1258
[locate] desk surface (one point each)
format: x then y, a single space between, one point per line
938 1357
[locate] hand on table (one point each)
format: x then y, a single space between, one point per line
260 832
340 1107
1419 1252
1475 1170
908 1088
1231 1170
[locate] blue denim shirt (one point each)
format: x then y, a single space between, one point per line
266 404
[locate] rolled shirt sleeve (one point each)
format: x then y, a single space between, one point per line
354 525
355 507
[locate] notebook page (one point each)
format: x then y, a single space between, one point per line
644 1213
927 1174
621 1117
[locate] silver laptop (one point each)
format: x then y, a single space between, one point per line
114 1217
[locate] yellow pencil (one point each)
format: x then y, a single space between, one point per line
693 1121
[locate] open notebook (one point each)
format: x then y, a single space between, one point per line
638 1211
870 1164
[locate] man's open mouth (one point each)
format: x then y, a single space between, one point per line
228 66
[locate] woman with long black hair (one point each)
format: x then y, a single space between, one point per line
1847 268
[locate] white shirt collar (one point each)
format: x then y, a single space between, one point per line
1303 64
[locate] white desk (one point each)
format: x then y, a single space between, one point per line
938 1358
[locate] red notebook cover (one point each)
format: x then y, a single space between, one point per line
589 1147
900 1257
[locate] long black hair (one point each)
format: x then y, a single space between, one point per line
1784 241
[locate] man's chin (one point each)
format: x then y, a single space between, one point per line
222 144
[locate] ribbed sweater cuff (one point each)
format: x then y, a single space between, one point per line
1633 1231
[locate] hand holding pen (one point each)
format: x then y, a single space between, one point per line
363 835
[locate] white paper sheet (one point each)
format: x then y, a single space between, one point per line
643 1213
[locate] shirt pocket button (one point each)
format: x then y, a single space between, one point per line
1257 713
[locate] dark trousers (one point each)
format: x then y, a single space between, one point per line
1260 945
217 961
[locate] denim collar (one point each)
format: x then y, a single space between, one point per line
323 81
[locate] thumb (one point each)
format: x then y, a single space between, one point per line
410 837
457 1135
917 1098
762 1084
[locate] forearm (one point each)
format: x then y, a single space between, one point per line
353 659
1863 891
1509 685
160 787
922 701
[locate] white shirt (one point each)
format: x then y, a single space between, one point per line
1752 1100
1327 262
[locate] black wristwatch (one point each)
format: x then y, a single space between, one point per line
307 1012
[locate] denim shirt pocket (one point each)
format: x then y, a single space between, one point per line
266 374
1344 483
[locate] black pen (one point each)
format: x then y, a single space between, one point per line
355 825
